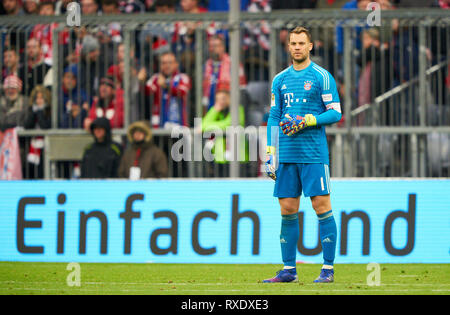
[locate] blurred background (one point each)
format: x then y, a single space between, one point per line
96 100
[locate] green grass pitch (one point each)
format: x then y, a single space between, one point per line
210 279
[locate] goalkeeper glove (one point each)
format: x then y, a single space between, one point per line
270 162
291 125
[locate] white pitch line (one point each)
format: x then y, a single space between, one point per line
221 283
219 290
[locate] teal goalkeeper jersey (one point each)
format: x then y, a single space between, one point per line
309 91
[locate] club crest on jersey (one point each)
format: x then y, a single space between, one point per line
308 85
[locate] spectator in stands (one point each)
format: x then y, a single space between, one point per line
43 33
160 37
217 71
192 6
101 159
186 30
293 4
109 34
131 6
89 7
11 63
169 90
108 103
31 6
350 5
12 7
405 48
75 104
46 8
375 67
12 104
35 69
90 68
219 118
385 4
149 5
110 7
256 44
37 116
38 113
142 159
116 70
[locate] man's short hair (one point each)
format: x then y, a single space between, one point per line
163 3
218 37
43 3
299 30
10 48
110 2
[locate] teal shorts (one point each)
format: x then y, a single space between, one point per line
313 179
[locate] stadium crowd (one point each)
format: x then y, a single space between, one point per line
91 94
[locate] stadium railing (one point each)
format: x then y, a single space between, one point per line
394 94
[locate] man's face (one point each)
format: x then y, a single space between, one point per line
385 4
69 81
366 40
10 59
109 9
138 136
99 133
362 4
299 47
11 93
93 55
164 9
188 5
30 6
168 64
10 5
47 10
223 99
216 48
120 52
33 48
39 100
105 91
88 7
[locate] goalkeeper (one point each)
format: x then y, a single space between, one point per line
304 100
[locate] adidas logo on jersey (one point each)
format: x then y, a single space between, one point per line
284 87
327 240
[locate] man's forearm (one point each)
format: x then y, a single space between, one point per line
329 117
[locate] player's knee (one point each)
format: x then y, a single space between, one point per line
287 209
289 205
320 206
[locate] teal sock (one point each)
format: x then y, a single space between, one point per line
328 232
290 232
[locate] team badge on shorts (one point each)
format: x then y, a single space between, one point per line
308 85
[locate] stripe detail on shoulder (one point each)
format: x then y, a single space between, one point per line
279 75
325 75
